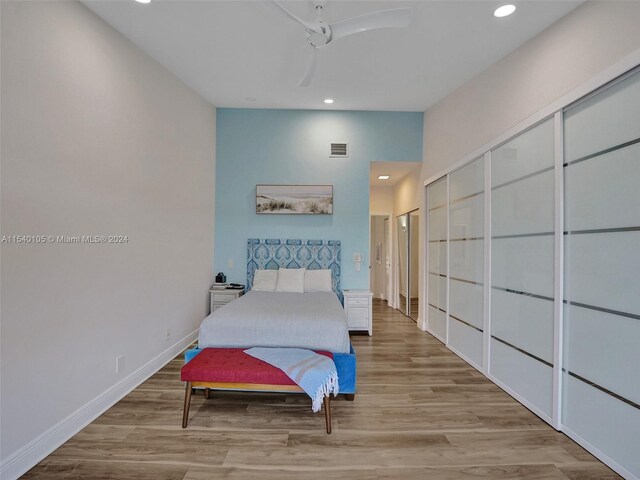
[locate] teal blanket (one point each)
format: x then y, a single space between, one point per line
316 374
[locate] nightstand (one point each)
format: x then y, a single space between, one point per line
357 306
220 297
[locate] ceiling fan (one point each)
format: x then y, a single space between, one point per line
322 34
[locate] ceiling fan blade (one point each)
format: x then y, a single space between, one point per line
307 24
311 69
395 17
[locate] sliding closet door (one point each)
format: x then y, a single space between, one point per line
437 257
466 261
522 266
601 380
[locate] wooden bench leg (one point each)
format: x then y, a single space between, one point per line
206 393
327 412
350 396
187 404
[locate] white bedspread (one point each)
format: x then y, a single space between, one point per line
276 319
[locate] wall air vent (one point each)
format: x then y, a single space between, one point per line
339 150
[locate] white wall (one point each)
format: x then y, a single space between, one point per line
582 44
380 200
97 139
406 193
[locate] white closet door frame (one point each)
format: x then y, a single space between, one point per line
427 266
558 292
424 265
446 317
486 324
537 411
424 301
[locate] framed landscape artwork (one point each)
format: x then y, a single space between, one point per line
294 199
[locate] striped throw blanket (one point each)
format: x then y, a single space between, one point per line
314 373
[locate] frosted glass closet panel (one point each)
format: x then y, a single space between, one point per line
437 257
522 265
466 261
601 385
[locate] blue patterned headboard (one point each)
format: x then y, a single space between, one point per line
273 253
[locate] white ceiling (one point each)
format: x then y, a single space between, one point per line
396 171
230 50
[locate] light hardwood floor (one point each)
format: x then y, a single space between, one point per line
420 413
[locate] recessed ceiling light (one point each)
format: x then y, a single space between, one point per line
143 1
328 100
384 177
504 11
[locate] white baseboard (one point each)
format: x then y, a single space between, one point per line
33 452
615 466
521 399
466 359
435 335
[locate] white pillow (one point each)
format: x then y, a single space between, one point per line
265 280
290 280
317 281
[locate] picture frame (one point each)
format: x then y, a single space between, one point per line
294 199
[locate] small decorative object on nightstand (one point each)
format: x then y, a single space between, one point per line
357 305
221 296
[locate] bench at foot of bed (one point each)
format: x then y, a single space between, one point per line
232 369
345 365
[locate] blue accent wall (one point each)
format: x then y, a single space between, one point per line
292 147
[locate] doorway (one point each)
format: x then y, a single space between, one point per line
380 262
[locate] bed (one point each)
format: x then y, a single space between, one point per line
282 319
278 319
